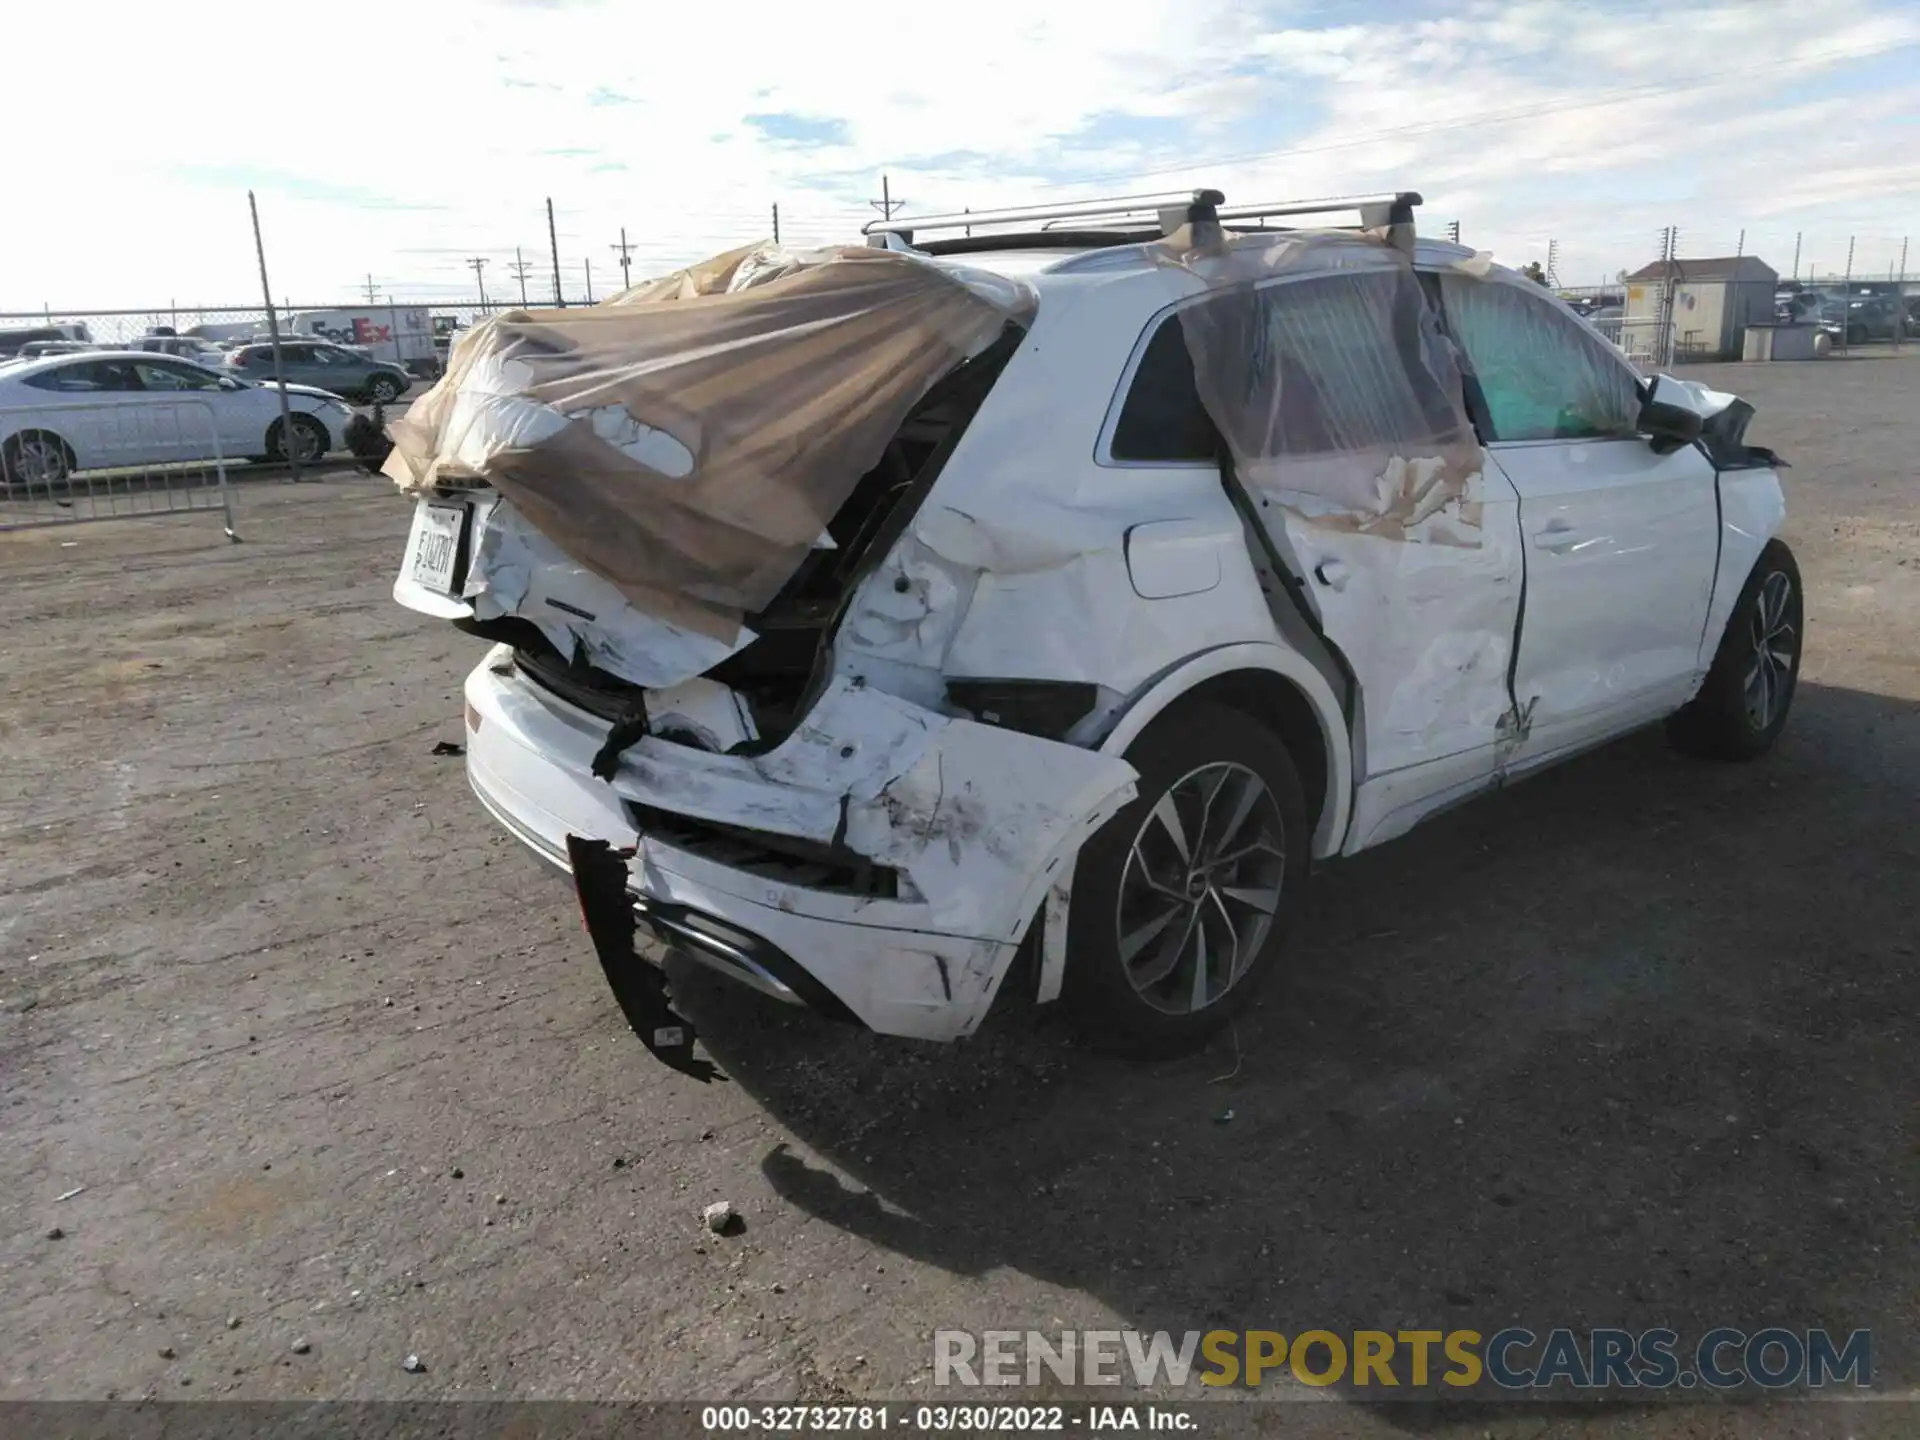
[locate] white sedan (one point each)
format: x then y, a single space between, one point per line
113 409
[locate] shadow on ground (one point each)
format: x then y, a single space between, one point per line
1630 1044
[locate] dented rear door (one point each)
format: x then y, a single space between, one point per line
1354 451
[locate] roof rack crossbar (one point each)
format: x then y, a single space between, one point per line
1391 211
1386 208
1169 210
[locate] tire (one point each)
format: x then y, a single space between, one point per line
311 440
1129 986
384 390
35 459
1743 703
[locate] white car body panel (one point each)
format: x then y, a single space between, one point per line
1034 556
1621 552
978 820
109 428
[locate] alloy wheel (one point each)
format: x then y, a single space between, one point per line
38 461
305 447
1202 882
1775 648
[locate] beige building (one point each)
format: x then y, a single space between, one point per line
1714 301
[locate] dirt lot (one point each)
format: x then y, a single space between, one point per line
326 1056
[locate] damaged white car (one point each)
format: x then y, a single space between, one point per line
869 618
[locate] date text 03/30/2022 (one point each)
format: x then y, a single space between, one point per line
938 1419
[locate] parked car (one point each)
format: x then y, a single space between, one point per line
1881 317
186 347
13 341
120 408
37 349
332 368
401 335
1058 682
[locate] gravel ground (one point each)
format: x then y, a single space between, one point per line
327 1060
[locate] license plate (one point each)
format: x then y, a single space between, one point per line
436 545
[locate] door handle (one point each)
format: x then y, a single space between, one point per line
1556 536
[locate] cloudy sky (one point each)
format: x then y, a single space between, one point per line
396 139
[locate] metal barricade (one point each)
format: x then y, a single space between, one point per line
119 457
1647 343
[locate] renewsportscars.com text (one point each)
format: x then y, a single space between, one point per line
1515 1358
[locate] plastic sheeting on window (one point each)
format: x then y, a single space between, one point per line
692 452
1542 376
1325 371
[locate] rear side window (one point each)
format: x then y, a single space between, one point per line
1543 376
1162 420
1324 369
86 378
1317 370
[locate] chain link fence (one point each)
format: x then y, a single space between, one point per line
415 336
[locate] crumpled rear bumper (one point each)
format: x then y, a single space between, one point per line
972 823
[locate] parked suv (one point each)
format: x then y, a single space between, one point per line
333 368
1214 563
186 347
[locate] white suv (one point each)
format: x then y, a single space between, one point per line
1091 666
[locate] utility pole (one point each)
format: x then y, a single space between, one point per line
1740 245
520 269
288 444
622 250
1663 340
1846 293
553 244
477 264
776 222
1453 231
1900 312
372 295
589 281
886 204
1796 254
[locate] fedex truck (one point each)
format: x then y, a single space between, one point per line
402 334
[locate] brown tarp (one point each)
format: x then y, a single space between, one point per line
689 442
1317 357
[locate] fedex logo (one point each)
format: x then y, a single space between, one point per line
361 331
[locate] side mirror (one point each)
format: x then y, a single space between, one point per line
227 382
1668 426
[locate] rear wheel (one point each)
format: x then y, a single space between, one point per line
35 460
383 389
1183 900
310 440
1743 703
